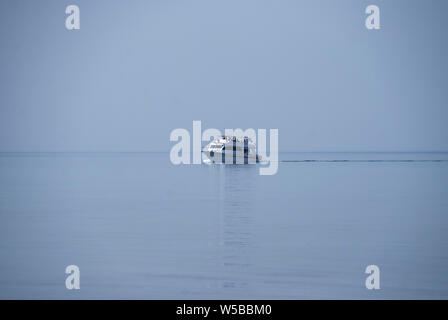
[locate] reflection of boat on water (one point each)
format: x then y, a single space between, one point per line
231 150
236 209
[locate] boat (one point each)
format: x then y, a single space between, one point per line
231 150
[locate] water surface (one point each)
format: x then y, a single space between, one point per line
139 227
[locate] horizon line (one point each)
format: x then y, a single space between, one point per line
167 151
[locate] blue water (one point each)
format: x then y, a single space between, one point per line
139 227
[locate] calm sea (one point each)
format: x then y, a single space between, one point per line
139 227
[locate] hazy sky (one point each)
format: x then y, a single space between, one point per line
138 69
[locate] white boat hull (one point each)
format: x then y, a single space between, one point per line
228 157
